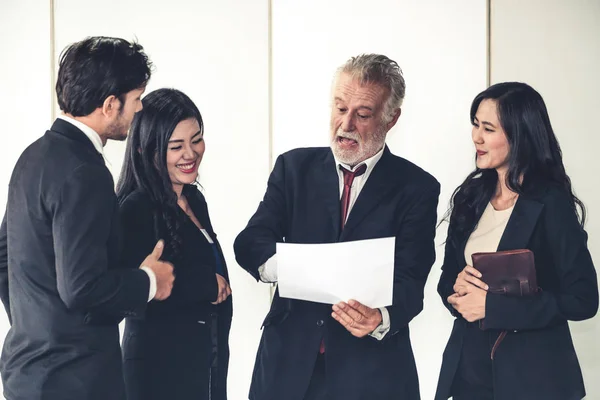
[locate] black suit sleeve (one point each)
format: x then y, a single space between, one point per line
257 242
81 223
192 284
4 268
577 296
450 270
414 256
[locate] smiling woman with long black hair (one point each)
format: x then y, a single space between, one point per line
518 197
179 350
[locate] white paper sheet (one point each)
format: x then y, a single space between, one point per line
328 273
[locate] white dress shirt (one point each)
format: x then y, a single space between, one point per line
268 271
97 142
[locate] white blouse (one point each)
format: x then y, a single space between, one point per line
486 236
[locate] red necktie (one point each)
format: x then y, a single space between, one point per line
344 205
348 179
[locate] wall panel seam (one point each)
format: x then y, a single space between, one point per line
52 64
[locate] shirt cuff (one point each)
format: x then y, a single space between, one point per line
268 271
152 277
383 328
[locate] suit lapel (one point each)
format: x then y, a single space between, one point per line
521 224
198 207
378 185
329 190
518 230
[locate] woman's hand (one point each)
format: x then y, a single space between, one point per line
469 276
471 304
224 290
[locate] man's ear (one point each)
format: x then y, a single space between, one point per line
394 119
111 106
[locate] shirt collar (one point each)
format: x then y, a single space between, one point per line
89 132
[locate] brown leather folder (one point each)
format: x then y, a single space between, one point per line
510 273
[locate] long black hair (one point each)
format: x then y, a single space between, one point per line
534 160
145 164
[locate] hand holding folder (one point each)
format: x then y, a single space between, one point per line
510 273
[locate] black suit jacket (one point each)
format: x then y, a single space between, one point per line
536 360
179 348
59 275
302 205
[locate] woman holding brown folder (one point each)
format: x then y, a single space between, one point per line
518 197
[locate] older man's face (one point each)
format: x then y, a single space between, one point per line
357 128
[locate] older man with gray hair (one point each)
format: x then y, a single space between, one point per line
355 189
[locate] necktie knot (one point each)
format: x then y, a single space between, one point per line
350 175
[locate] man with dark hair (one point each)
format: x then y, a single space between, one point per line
354 190
59 241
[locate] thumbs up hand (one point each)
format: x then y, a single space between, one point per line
162 270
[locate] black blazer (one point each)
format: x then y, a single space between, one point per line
302 205
179 348
536 360
60 279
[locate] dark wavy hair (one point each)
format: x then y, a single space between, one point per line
145 164
534 160
98 67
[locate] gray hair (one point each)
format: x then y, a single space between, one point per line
378 69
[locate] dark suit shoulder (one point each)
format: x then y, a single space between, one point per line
80 179
48 155
412 172
551 195
399 168
87 175
558 203
71 153
554 193
52 161
303 162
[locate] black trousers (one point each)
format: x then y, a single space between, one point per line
474 379
317 388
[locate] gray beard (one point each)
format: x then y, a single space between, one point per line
365 149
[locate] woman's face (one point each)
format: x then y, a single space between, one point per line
184 152
489 138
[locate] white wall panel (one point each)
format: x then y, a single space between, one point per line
25 92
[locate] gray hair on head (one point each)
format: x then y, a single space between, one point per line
381 70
